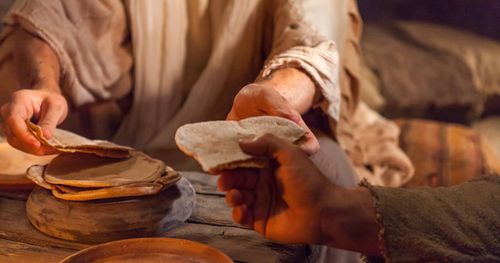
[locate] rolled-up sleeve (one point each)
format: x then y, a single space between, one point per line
295 43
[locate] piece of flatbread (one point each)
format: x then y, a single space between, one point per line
91 171
70 193
215 144
14 162
65 141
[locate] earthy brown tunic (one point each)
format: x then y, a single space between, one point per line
447 224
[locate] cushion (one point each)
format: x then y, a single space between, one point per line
490 129
430 71
445 154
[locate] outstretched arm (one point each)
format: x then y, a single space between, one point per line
40 97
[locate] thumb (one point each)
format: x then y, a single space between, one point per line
52 112
265 145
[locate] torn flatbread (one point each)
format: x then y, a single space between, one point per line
70 193
90 171
215 144
65 141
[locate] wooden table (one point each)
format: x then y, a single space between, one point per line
210 224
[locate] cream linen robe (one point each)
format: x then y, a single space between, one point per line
203 52
170 88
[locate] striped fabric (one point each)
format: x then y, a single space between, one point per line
445 154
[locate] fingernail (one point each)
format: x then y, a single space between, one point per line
35 143
248 139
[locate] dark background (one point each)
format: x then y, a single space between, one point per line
479 16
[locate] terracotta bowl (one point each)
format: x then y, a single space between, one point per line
111 219
149 250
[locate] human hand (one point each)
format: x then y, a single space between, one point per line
49 108
262 99
283 202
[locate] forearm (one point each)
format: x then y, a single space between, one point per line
295 86
349 222
36 63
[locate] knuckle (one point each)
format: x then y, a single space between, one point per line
243 95
20 94
57 103
4 109
10 119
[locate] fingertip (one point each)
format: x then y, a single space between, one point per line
253 146
35 143
48 150
244 142
221 184
243 216
27 147
234 198
29 140
47 132
231 116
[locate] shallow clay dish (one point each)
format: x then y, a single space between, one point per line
13 166
149 250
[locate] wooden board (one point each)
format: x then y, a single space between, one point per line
203 183
17 252
207 225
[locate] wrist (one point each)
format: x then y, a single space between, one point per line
349 222
47 85
330 212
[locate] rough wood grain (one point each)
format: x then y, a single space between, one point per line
17 252
212 210
18 195
210 224
241 244
203 183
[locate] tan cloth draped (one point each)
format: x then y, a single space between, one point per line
202 54
369 140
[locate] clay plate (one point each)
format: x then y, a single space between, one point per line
13 166
149 250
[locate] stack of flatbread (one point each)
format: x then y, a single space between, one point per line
215 144
91 169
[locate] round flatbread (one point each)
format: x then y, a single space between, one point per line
71 193
65 141
90 171
14 163
215 144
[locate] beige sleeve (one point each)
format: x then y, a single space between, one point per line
445 224
89 40
295 43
